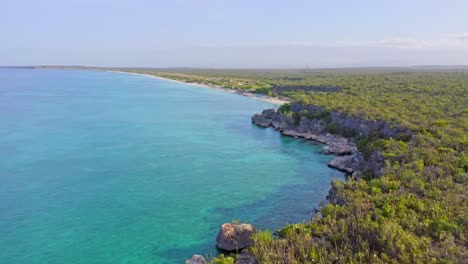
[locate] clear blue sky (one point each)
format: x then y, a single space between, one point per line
237 33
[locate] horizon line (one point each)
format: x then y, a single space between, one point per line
446 66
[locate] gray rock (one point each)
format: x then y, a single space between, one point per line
283 122
344 163
196 259
361 126
260 120
292 133
340 149
265 119
269 113
234 237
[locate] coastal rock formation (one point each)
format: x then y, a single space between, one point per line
196 259
333 129
343 163
264 119
357 126
335 145
318 121
234 237
340 148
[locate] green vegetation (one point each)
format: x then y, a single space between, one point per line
221 259
223 79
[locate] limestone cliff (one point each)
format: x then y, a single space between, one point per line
336 130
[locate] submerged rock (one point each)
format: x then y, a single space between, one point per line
196 259
234 237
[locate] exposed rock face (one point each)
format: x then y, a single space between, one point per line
317 126
336 145
264 119
343 163
315 123
234 237
196 259
339 147
360 126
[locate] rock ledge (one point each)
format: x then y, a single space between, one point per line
234 237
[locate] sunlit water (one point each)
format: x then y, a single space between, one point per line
101 167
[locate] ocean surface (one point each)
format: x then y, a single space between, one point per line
105 167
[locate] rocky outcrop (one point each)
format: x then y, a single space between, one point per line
234 237
333 129
358 126
316 120
264 119
340 148
196 259
344 163
335 145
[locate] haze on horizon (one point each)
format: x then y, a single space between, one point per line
234 34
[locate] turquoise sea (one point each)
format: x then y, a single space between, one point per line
103 167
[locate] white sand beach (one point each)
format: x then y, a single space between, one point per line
262 97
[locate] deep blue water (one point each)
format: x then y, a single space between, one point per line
101 167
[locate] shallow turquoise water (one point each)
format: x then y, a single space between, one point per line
100 167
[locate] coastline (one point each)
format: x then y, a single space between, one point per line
330 143
265 98
390 130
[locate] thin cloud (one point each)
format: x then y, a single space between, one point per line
449 42
463 37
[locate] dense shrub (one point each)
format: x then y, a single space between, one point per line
285 108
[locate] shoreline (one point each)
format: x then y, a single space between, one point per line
315 138
265 98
